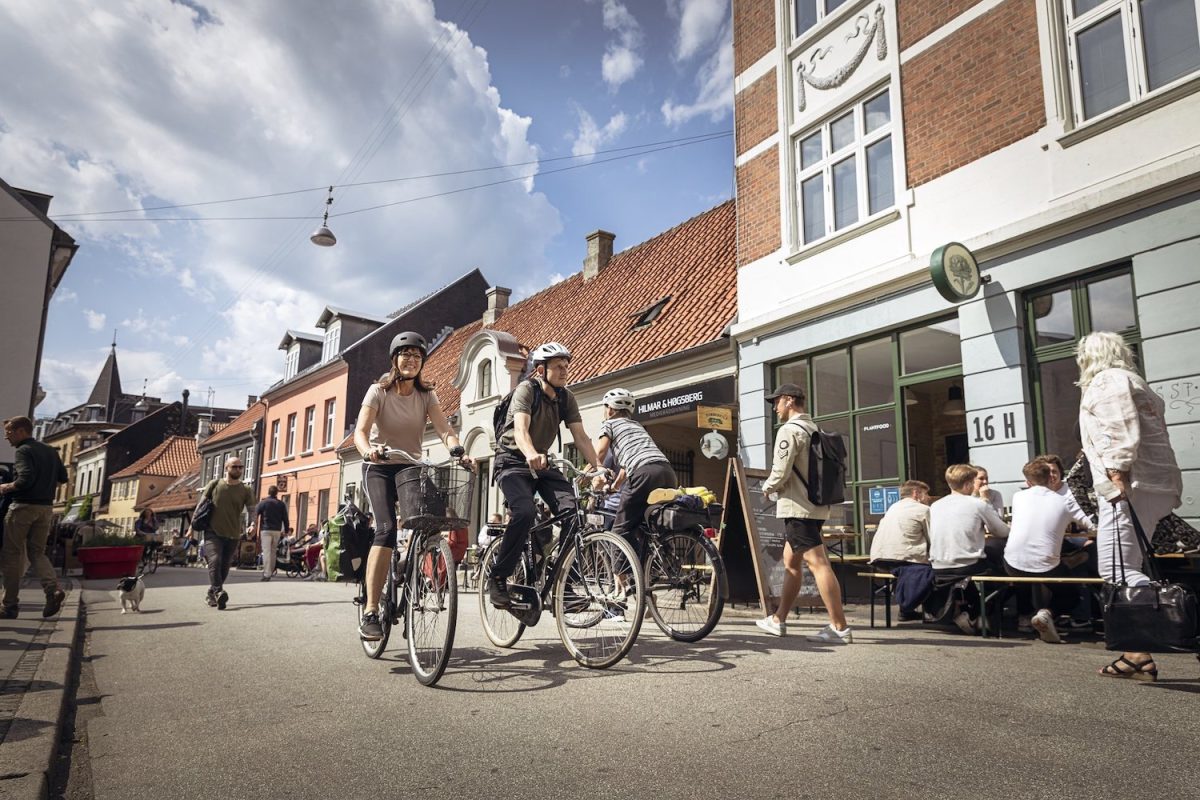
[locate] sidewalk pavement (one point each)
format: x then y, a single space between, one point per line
35 673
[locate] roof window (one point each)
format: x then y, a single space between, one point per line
644 318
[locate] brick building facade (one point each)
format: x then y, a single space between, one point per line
1051 138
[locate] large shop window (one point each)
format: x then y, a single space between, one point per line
844 172
853 391
1121 51
1056 319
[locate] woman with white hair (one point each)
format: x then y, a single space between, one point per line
1133 466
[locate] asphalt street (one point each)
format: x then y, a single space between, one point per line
274 698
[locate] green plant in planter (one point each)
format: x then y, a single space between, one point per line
85 508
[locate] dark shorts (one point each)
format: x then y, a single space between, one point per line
803 534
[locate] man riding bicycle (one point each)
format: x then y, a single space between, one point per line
530 428
646 468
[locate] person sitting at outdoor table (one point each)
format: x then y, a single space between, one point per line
901 547
958 547
984 490
1039 520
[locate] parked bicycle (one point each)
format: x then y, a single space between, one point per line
590 577
421 588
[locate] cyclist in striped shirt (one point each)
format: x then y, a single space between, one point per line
646 468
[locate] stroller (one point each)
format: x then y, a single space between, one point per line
290 562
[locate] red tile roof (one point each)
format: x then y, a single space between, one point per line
182 495
693 263
174 457
240 424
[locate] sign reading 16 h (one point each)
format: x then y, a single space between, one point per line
997 425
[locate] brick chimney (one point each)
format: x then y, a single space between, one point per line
497 301
251 399
599 252
203 427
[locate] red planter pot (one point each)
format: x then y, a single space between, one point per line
109 562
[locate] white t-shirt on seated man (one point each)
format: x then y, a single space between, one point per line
1040 517
959 523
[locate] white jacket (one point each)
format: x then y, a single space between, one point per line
1122 424
791 448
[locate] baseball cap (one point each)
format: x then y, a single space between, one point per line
786 390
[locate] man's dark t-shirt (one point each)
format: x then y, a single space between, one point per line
274 514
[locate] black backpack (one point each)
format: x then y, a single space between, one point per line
500 415
826 482
202 516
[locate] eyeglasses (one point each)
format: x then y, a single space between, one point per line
409 356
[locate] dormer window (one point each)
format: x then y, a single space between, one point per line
485 380
645 318
333 341
292 364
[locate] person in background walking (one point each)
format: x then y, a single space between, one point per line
38 471
1134 471
802 520
230 498
271 519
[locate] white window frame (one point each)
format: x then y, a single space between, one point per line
249 471
291 435
330 420
333 340
310 422
274 451
291 364
823 13
829 159
483 376
1136 73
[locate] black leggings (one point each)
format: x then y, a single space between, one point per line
642 481
518 486
381 481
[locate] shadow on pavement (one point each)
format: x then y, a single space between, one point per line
281 605
24 687
160 626
19 728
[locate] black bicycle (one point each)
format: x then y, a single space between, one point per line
421 588
686 583
593 577
150 557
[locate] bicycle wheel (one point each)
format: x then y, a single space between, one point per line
685 585
599 599
432 609
387 602
152 567
501 627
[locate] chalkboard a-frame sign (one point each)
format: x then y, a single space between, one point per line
766 538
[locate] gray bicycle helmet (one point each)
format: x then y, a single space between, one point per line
548 351
408 339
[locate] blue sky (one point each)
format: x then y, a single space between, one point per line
156 102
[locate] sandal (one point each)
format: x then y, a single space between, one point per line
1145 671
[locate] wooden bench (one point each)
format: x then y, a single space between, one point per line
887 580
1010 580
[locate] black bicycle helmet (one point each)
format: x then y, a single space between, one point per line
408 339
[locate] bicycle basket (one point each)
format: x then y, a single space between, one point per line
435 498
670 517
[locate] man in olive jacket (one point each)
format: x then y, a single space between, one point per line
38 471
802 520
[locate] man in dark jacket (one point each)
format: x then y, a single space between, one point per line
39 471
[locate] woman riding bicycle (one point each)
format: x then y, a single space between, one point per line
393 417
645 466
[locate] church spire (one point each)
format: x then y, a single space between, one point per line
108 386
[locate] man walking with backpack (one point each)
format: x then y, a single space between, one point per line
230 497
792 481
532 415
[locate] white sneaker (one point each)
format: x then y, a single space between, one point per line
1043 623
772 627
963 621
831 635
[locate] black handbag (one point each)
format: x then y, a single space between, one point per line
202 516
1157 617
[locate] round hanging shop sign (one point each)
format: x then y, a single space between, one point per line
955 272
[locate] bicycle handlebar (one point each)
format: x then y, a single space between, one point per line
391 454
567 466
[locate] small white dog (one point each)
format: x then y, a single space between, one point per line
132 590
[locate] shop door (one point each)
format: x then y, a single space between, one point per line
935 431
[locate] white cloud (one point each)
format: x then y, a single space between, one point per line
154 328
700 23
714 82
65 296
621 60
589 137
177 106
95 319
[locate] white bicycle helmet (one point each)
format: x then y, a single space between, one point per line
620 399
548 351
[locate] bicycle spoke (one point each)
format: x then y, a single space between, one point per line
599 600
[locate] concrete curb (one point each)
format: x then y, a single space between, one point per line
33 740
